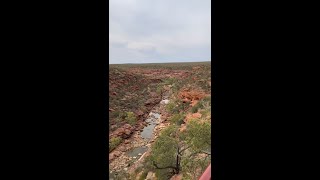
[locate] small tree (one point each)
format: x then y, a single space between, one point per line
176 151
199 140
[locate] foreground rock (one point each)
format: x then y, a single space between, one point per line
151 176
124 132
176 177
152 101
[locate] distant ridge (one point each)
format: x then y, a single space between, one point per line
164 63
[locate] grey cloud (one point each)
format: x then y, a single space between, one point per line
159 30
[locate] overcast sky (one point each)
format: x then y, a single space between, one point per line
147 31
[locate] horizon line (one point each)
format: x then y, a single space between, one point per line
166 62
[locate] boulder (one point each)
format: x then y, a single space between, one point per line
138 113
111 157
117 153
122 148
176 177
113 127
127 131
127 126
120 131
152 101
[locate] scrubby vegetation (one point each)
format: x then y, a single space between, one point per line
130 118
114 142
188 152
177 119
184 147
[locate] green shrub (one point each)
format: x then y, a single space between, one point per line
177 119
195 108
207 99
204 103
170 106
159 88
170 81
114 114
114 142
199 135
131 118
122 115
206 112
176 106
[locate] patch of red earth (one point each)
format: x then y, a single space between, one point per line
124 132
192 94
193 103
190 116
182 128
196 115
176 177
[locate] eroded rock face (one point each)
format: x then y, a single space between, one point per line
124 132
117 153
119 131
127 126
111 157
127 132
152 101
192 94
138 113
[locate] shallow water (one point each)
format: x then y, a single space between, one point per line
148 130
156 115
136 151
111 176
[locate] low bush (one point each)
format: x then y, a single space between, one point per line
170 81
204 103
114 142
177 106
131 118
177 119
